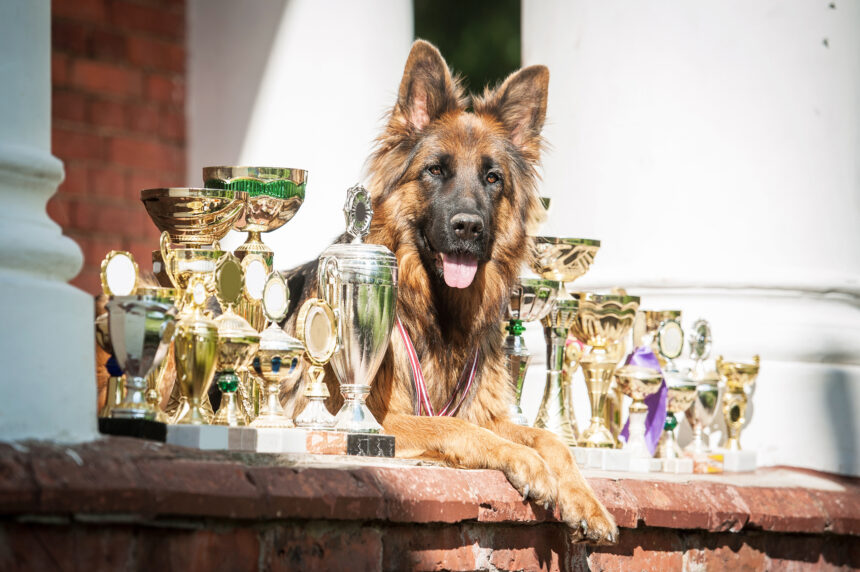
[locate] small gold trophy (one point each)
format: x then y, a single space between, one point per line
237 341
195 352
278 359
738 377
638 382
601 323
682 393
317 329
564 260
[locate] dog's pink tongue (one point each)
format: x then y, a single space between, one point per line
459 269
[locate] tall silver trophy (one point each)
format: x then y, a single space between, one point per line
360 282
141 328
530 300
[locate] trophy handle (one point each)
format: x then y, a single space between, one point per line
328 275
167 257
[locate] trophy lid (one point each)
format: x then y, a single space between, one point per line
356 260
274 338
120 274
316 327
232 325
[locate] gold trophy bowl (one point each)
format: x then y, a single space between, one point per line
738 377
563 259
194 217
601 323
274 196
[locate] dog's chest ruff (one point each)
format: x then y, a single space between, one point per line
422 397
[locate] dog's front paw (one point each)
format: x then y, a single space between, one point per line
529 474
587 517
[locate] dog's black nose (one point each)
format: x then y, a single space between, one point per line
467 226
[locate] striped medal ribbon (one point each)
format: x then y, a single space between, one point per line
464 384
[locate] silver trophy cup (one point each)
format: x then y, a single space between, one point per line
141 328
360 282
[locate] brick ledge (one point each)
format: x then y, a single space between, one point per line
122 479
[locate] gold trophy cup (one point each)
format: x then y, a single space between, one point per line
681 394
637 382
601 323
564 260
738 377
274 196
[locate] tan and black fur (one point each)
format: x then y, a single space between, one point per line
486 159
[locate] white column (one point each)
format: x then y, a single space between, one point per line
299 83
714 148
48 381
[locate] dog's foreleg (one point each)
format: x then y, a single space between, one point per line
577 502
462 444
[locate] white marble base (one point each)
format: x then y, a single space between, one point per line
270 440
212 437
614 460
681 466
738 461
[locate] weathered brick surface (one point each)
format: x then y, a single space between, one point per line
124 503
118 76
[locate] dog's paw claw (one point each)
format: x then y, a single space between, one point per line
526 490
584 525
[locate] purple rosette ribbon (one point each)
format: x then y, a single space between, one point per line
656 402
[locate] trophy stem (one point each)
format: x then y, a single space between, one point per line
249 393
254 245
517 358
195 415
697 444
354 416
271 412
597 367
553 413
315 414
134 405
734 411
230 413
636 443
667 447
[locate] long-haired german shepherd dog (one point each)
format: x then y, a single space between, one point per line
453 192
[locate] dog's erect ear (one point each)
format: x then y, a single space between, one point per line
427 89
520 104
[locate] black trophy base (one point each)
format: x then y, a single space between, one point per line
370 445
139 428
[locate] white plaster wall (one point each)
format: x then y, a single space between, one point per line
294 83
714 148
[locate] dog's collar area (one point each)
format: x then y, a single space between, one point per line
422 401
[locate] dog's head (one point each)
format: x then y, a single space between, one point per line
456 188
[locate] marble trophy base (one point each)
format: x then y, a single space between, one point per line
275 440
738 461
300 440
624 461
139 428
212 437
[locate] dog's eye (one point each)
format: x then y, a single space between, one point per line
435 170
492 178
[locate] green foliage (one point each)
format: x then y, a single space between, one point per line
480 39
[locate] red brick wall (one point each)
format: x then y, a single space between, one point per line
118 75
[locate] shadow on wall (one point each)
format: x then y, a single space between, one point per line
228 97
840 402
